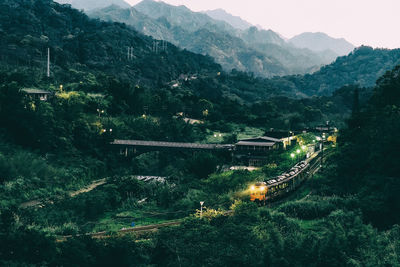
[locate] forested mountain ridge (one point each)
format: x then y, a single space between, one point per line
94 4
75 41
362 67
225 44
79 43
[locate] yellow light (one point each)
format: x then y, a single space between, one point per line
292 155
252 187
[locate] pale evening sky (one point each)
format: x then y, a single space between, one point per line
369 22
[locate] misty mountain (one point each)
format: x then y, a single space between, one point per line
319 42
181 16
84 48
234 21
253 35
262 52
93 4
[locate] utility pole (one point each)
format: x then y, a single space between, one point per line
201 208
48 62
322 150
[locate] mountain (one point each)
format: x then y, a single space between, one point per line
321 42
82 47
262 52
253 35
361 67
158 29
79 44
94 4
181 16
234 21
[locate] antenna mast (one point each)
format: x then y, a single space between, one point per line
48 62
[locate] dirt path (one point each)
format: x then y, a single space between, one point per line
88 188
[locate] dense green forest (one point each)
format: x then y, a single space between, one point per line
350 216
347 215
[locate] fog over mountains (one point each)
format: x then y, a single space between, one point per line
229 40
234 21
320 41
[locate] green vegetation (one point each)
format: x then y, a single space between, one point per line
348 215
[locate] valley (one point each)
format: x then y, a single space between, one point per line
154 135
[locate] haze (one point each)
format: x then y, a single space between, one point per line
367 22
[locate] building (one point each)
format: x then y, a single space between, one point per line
37 94
259 144
254 151
288 138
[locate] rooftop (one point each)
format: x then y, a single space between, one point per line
170 144
248 143
35 91
262 139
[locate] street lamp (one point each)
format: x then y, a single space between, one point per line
292 155
297 154
100 111
107 130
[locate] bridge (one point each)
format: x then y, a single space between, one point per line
137 146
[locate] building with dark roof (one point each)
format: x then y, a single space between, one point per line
260 144
37 94
254 151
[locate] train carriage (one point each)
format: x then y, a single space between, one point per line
280 185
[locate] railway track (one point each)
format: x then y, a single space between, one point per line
137 230
315 167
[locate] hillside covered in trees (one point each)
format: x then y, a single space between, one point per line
52 151
349 216
261 52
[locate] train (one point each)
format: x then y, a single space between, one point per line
261 192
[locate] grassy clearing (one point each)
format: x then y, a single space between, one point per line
122 218
249 132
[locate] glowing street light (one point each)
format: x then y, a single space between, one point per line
298 151
100 111
292 155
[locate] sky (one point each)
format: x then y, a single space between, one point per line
362 22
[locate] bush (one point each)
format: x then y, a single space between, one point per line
307 210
